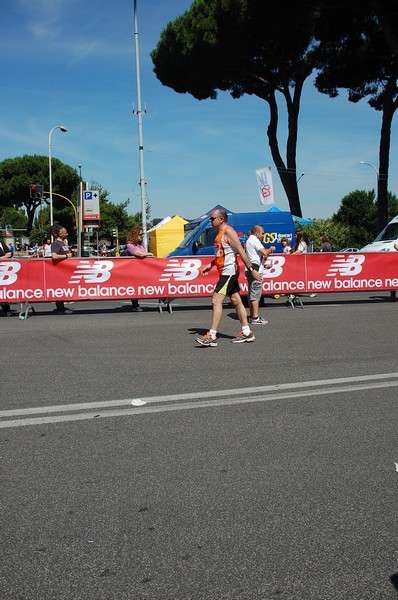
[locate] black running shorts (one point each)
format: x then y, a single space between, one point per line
227 285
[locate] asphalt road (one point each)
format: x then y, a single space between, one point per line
254 471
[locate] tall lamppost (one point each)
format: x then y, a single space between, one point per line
139 114
64 130
377 173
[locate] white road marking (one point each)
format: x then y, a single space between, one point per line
192 400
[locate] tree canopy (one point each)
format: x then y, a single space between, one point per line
338 233
13 216
114 215
359 51
270 49
354 224
358 211
18 174
244 47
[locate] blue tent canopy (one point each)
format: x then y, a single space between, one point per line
192 224
302 221
298 220
275 209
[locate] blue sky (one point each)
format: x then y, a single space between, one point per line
72 63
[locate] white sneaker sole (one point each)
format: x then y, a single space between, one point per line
211 345
244 340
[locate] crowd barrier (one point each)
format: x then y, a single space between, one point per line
44 280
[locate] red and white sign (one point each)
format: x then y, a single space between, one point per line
91 206
121 278
265 186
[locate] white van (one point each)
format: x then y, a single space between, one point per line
385 240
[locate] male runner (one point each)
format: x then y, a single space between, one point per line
226 248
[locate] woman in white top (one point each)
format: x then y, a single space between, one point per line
47 249
300 247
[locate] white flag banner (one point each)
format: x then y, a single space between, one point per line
265 187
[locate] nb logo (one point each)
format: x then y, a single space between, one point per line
187 270
98 272
8 272
346 265
273 267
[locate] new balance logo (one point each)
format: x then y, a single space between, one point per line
8 272
98 272
346 265
187 270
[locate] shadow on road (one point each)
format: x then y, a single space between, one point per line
394 580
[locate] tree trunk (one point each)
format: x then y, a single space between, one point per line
287 174
30 208
389 108
293 108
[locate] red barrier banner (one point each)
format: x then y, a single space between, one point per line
42 280
22 281
330 272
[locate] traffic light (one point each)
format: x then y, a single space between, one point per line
36 191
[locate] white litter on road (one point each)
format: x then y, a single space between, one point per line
137 402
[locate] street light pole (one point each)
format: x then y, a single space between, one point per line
64 130
377 173
140 136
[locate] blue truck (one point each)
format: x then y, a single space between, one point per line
200 240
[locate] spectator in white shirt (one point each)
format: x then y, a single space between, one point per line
256 253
